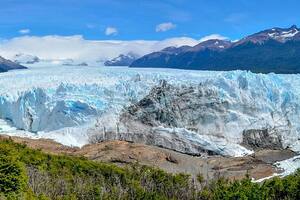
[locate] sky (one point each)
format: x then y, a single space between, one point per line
144 19
140 20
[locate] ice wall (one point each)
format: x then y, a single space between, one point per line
52 101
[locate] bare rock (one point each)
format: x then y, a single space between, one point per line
262 139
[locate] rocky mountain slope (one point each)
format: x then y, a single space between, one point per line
273 50
6 65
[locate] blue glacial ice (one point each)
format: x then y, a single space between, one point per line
64 102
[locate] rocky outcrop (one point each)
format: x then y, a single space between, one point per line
262 139
170 106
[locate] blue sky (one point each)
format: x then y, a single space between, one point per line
139 19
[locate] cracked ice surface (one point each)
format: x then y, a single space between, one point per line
59 101
63 102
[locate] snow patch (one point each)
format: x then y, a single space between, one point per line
289 166
283 35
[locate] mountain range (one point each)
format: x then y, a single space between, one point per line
122 60
272 50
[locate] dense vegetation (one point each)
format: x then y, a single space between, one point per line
31 174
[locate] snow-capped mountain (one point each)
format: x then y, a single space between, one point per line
278 34
122 60
6 65
25 59
273 50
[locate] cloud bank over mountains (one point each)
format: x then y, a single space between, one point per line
77 48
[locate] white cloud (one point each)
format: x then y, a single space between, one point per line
213 36
24 31
77 48
111 31
165 27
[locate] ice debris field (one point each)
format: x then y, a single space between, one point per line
63 102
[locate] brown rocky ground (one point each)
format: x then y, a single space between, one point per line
257 166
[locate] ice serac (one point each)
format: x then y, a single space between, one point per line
213 115
46 109
187 111
36 111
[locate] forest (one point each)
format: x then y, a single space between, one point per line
31 174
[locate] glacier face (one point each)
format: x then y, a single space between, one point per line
47 99
213 114
65 103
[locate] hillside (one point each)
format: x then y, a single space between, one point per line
31 174
258 166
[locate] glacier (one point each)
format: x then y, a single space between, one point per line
66 104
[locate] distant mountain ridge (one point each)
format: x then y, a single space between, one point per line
122 60
6 65
272 50
21 58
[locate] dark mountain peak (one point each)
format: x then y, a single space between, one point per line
213 44
279 33
169 49
6 65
